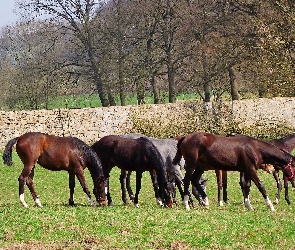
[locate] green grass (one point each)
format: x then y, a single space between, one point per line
59 226
92 100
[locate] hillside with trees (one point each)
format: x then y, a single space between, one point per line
215 49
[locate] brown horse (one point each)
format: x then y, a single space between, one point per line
287 143
238 153
137 155
56 153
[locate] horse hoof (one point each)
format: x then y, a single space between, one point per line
25 205
111 204
71 203
136 205
38 203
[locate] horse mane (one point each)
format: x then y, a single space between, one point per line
156 159
7 154
92 161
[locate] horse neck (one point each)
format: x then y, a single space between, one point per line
287 143
94 165
275 156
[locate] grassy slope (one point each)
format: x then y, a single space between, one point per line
58 226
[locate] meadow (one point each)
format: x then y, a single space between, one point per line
59 226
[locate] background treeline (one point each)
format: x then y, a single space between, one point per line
113 50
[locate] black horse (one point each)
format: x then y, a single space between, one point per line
137 155
56 153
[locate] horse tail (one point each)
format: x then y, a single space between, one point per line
178 155
7 155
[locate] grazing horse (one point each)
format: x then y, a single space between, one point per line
238 153
138 155
56 153
167 148
287 143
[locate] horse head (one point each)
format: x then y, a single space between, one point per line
169 189
289 170
99 191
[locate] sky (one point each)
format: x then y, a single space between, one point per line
7 17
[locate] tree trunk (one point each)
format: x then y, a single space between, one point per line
233 84
206 79
171 82
121 82
140 91
155 90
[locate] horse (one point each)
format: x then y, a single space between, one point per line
239 153
138 155
167 148
56 153
287 143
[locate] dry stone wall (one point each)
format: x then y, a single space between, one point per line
90 124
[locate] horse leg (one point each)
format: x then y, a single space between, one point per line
179 183
245 183
138 187
197 174
219 176
172 180
224 186
261 188
286 190
279 186
22 180
107 190
156 188
30 185
187 181
82 181
128 186
72 188
123 176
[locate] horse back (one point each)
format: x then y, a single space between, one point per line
51 152
218 152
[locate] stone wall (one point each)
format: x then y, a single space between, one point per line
90 124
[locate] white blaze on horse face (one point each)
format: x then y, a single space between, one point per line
38 203
185 202
106 190
22 200
269 204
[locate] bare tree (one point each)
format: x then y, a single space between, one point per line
77 17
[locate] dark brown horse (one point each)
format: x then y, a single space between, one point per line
287 143
137 155
56 153
238 153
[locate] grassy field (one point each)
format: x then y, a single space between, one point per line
58 226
